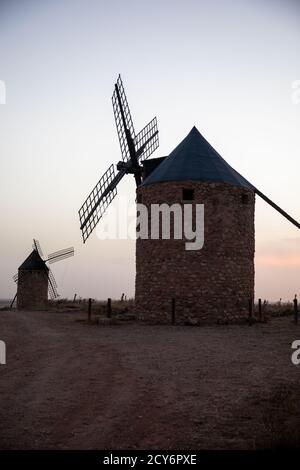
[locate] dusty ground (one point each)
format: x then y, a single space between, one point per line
73 385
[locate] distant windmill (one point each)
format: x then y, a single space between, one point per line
35 280
134 149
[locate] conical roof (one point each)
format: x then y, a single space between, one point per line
195 159
33 262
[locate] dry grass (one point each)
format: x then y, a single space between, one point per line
275 309
120 309
124 309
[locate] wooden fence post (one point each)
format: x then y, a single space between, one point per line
250 318
108 308
296 310
173 311
259 310
90 310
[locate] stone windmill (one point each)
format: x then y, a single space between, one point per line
211 284
216 282
35 279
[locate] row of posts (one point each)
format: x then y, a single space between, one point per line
250 306
108 309
173 310
296 310
260 311
250 316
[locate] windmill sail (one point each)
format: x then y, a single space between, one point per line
97 201
125 130
36 246
146 141
52 286
124 123
134 149
18 277
59 255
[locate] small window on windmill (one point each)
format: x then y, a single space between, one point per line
245 199
188 194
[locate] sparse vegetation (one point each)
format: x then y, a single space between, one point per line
275 309
121 309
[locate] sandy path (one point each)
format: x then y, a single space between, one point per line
72 385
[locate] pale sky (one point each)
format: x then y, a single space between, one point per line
226 66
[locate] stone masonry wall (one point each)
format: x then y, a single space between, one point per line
32 290
210 285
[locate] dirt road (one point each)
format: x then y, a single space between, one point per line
70 385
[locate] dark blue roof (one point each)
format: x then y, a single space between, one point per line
34 262
195 159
